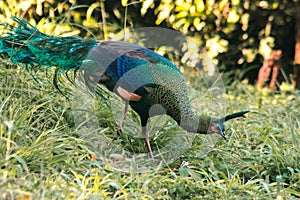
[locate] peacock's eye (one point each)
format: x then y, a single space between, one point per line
217 128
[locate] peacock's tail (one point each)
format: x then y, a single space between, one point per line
25 44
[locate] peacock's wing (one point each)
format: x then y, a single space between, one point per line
132 67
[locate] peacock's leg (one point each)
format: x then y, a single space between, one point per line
124 115
145 135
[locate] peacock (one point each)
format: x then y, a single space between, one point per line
148 82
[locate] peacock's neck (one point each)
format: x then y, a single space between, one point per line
194 123
204 122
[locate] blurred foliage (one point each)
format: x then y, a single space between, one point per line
61 18
235 32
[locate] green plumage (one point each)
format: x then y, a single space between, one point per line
25 44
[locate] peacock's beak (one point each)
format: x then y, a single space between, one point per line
232 116
222 134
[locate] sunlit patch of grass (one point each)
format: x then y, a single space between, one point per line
42 155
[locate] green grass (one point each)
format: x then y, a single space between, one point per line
42 156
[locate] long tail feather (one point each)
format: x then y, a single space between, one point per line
235 115
26 44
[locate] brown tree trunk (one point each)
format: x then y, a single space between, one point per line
296 75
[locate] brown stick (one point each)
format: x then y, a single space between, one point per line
271 63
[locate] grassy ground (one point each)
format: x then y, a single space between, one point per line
42 156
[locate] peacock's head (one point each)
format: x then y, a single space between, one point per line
217 126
